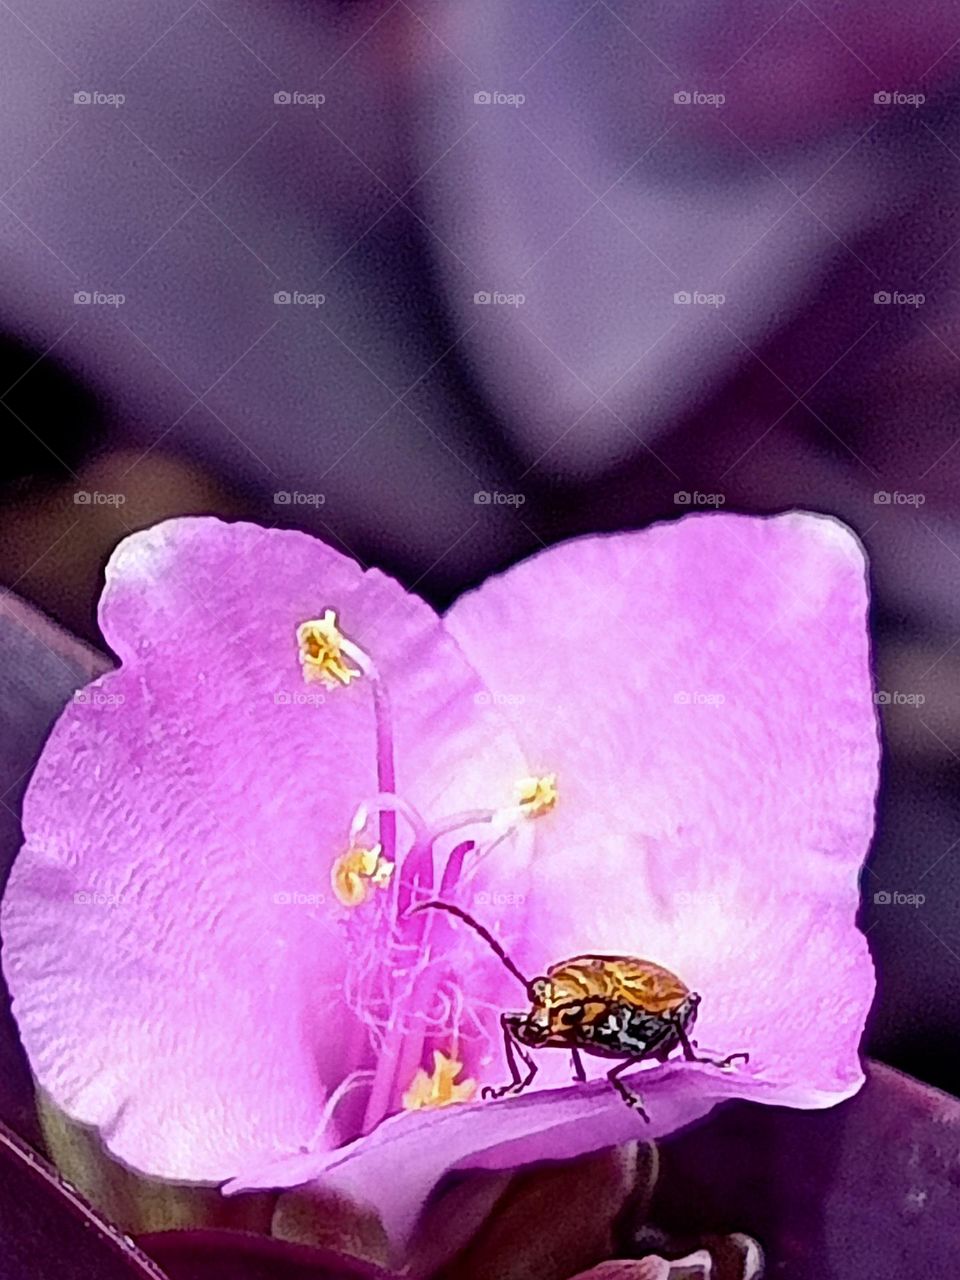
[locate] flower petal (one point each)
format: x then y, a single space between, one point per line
702 689
170 940
554 1124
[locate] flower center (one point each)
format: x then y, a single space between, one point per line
407 994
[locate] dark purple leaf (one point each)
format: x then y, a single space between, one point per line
49 1232
41 669
867 1190
237 1255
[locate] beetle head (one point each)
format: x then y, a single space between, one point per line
538 991
536 1023
530 1028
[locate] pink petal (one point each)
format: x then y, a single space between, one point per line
703 691
395 1167
170 940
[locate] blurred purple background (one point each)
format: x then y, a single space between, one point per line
585 166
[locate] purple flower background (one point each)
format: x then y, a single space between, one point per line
598 402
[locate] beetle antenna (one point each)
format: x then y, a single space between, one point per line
485 934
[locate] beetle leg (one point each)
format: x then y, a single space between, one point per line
577 1063
518 1082
632 1099
691 1056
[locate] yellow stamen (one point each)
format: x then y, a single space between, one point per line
537 796
321 645
357 871
439 1088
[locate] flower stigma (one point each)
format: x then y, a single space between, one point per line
438 1088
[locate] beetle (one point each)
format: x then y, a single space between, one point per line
607 1006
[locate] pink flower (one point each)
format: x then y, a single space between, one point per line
660 744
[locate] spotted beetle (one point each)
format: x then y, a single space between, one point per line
607 1006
